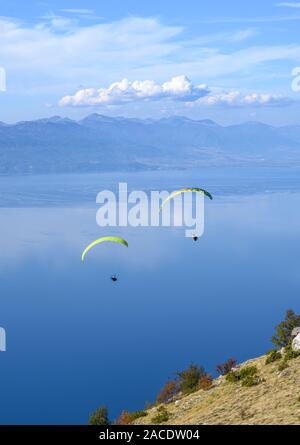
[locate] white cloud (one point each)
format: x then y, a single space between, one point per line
226 98
57 54
178 88
242 35
57 23
78 11
58 48
82 13
237 99
267 99
295 5
272 19
222 37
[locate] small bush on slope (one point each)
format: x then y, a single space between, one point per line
205 382
189 378
289 353
250 380
226 367
282 365
247 376
161 416
168 391
126 418
99 417
273 356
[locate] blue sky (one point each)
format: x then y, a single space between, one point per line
226 61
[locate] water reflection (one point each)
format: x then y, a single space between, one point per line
76 340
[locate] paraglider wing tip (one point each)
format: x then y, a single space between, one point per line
206 193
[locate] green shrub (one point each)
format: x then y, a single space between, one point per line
247 376
137 415
248 371
99 417
284 329
283 365
233 377
250 380
189 378
161 416
273 356
289 353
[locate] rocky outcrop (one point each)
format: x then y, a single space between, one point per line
296 343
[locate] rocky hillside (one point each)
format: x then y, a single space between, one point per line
273 399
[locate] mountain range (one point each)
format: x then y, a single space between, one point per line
102 143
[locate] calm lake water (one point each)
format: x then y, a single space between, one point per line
75 340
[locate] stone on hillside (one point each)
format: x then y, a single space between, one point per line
295 332
296 343
237 367
284 373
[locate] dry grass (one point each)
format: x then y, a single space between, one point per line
274 401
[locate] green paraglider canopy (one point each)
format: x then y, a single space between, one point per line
115 239
186 190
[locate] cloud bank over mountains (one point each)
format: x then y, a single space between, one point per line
178 88
238 99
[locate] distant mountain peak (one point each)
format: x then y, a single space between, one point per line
256 124
184 119
47 120
96 117
207 122
175 119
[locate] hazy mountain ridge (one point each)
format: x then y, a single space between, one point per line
102 143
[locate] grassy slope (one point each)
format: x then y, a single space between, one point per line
274 401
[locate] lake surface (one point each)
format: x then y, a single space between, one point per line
75 340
